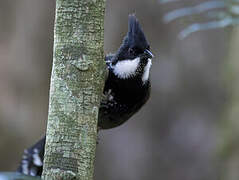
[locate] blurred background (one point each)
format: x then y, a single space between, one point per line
187 131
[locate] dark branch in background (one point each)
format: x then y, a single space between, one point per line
215 18
206 26
178 13
167 1
16 176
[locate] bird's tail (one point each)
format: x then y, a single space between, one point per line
32 159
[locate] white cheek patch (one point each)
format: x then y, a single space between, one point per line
145 76
127 68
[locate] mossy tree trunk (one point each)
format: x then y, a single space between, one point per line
76 86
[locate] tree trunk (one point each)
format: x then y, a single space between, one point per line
77 82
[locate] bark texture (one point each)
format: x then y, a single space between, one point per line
76 86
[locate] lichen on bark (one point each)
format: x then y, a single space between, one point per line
76 86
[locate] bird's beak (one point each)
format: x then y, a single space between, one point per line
148 53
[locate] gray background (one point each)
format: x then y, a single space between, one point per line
174 137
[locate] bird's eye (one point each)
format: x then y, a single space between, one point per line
131 51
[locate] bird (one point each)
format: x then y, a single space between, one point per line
127 88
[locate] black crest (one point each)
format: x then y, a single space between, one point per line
134 43
136 37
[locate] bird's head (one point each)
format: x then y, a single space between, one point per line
133 57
